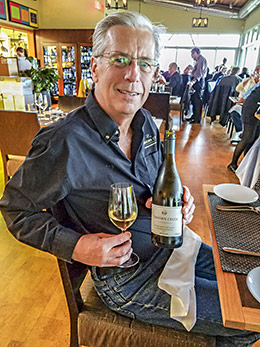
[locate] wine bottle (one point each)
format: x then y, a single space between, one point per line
167 219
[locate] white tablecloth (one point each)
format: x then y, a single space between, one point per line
249 169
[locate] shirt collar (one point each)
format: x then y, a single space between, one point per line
106 126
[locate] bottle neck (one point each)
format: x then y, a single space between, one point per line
169 141
170 147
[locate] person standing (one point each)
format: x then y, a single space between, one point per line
198 76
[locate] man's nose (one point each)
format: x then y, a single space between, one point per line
133 71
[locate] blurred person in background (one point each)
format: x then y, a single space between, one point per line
167 74
251 125
23 62
197 82
244 73
219 67
242 88
175 81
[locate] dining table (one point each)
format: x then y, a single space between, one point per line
240 310
175 105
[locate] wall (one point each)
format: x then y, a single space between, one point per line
180 21
86 16
80 14
253 19
65 14
30 3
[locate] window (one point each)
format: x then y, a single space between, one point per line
213 46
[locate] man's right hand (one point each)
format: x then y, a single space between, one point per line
103 249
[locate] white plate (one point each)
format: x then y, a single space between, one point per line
253 283
236 193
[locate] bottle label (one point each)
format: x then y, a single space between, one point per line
166 221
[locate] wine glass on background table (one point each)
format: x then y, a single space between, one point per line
122 211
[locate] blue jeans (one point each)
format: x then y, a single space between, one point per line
134 293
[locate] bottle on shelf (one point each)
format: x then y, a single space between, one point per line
167 218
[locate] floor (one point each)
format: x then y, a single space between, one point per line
32 305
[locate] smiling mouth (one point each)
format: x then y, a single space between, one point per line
128 93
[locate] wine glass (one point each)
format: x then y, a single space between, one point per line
122 211
45 104
39 102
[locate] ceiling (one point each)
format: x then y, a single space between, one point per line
225 8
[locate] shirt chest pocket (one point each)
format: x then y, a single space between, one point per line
152 159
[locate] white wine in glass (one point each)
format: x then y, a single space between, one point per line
122 211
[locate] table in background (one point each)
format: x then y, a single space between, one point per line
238 307
175 105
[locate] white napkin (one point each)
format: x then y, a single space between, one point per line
178 277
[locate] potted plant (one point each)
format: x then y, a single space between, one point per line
43 78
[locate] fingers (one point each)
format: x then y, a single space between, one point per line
187 217
119 249
188 207
149 202
121 254
103 249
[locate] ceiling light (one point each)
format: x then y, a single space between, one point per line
200 22
116 4
205 3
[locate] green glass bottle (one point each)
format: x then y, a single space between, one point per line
167 218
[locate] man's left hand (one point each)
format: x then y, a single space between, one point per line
188 207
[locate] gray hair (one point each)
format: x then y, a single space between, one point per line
126 18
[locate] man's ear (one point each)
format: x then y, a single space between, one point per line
94 69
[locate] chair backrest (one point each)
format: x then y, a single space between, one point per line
72 276
17 129
68 103
159 105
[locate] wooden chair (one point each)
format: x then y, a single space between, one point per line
92 324
68 103
159 105
17 129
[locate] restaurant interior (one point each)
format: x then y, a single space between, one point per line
38 306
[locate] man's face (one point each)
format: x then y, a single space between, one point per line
194 55
121 92
172 68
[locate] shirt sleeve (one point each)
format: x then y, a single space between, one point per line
199 70
38 185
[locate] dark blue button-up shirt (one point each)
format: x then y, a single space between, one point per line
69 170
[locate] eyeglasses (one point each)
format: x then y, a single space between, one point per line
122 60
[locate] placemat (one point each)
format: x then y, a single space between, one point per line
236 230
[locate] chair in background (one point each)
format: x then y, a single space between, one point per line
92 324
68 103
158 104
17 129
220 103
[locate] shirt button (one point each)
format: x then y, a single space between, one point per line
117 132
107 137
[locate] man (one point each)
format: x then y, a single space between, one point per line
175 80
219 67
167 74
71 166
218 75
197 82
244 73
